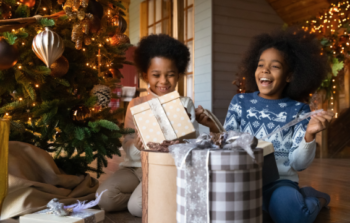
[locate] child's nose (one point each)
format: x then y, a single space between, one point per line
163 79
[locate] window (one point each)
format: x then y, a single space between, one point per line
159 16
189 40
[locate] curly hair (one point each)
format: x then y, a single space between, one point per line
161 45
302 54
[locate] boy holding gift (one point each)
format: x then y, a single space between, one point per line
161 60
282 69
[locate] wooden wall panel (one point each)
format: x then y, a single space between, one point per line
295 11
235 22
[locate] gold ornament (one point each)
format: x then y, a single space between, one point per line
87 40
60 67
48 46
70 13
76 32
69 4
84 3
81 14
76 5
119 39
79 44
86 26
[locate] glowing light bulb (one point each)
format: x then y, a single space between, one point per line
37 85
20 99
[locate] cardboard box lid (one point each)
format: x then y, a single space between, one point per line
163 99
266 146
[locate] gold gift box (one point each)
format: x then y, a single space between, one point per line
4 145
163 118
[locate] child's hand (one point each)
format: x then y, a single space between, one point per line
318 123
138 142
203 119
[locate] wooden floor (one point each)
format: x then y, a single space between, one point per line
328 175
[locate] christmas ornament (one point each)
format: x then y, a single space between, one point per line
122 25
103 94
48 46
60 2
76 5
95 8
29 3
95 25
84 3
8 55
77 32
60 67
119 39
80 114
87 40
86 26
81 14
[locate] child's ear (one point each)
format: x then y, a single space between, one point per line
145 77
289 77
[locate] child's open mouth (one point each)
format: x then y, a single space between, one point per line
163 89
265 82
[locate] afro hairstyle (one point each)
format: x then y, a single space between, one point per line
161 45
302 54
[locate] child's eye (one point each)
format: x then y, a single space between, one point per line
276 67
171 75
260 65
156 75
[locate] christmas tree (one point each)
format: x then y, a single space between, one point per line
59 60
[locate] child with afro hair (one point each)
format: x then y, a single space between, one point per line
160 60
282 69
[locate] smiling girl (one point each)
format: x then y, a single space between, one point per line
282 69
160 60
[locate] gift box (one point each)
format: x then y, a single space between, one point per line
158 187
4 145
219 185
45 216
163 118
270 171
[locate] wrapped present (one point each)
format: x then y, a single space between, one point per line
45 216
163 118
219 183
4 145
75 213
270 171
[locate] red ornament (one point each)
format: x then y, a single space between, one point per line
60 67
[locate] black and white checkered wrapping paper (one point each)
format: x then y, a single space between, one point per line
235 187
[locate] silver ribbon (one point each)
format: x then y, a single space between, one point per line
198 168
160 115
88 217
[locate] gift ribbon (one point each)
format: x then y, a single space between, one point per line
182 154
160 115
293 122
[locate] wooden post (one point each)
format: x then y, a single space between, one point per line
347 83
144 161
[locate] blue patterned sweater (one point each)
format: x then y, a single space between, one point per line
258 116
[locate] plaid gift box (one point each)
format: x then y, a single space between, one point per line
220 186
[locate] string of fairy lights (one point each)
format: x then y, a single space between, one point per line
333 29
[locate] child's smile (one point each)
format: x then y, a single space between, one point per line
270 74
162 76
